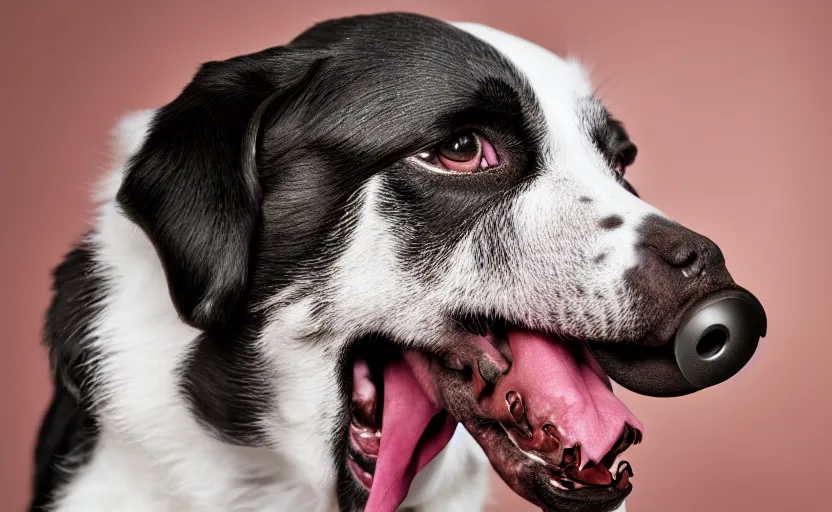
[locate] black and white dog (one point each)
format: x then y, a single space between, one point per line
315 263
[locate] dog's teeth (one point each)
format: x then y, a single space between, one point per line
365 440
624 466
551 441
515 406
518 413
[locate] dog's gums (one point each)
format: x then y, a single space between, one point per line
540 406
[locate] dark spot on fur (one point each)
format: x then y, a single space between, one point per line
611 222
585 199
580 290
600 258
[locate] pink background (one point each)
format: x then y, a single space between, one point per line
728 101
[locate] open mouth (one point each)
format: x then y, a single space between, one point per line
539 405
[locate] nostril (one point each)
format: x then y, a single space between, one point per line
681 248
683 257
692 265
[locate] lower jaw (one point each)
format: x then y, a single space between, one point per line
551 492
548 487
552 489
582 500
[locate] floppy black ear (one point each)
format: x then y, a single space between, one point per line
193 187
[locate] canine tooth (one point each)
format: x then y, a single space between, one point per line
550 442
624 466
628 438
515 405
518 413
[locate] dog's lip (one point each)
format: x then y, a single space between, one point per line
585 499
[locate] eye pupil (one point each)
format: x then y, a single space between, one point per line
461 148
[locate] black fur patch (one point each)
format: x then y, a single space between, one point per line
66 440
68 432
227 385
609 137
606 132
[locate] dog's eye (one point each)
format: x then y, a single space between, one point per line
465 152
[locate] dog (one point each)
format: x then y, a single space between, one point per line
350 273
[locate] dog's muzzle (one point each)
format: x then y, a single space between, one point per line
540 403
716 338
717 326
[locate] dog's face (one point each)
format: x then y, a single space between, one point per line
438 214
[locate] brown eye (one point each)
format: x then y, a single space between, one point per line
465 152
461 148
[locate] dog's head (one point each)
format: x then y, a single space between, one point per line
440 214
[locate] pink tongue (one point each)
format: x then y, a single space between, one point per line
573 394
404 448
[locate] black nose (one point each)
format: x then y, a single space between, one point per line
689 252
